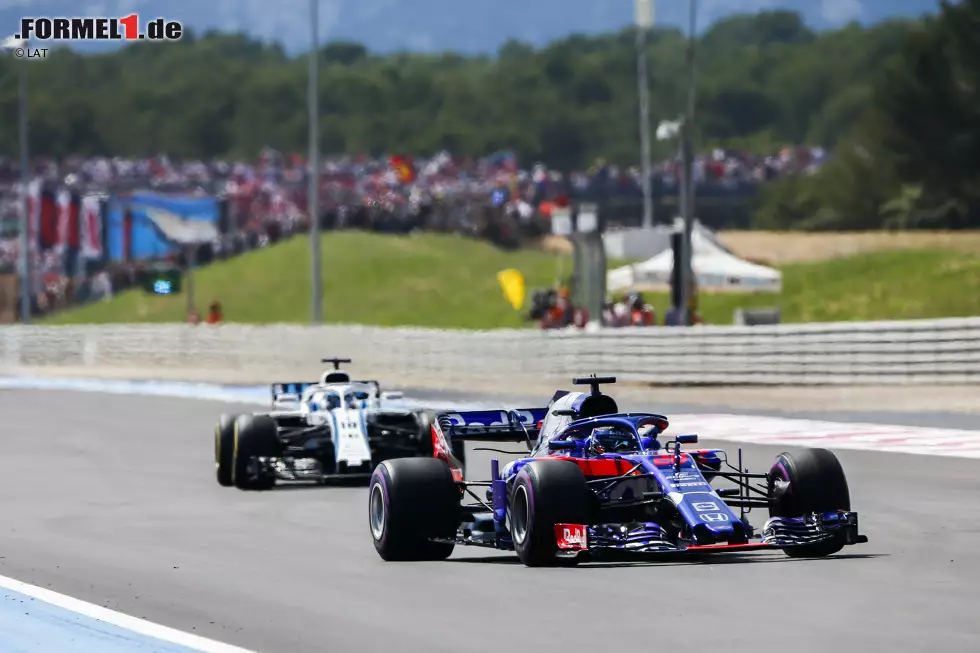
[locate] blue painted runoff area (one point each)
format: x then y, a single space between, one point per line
182 390
242 394
29 625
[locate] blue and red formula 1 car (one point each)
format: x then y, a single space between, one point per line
599 482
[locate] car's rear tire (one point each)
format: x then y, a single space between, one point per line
410 501
224 446
807 482
254 436
545 493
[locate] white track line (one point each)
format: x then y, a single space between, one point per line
133 624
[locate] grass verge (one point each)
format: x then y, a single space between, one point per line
448 281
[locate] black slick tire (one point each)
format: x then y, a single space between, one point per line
253 436
224 444
807 482
411 501
545 493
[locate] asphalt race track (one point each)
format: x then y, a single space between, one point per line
112 500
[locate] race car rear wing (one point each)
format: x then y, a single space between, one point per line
289 389
299 388
517 425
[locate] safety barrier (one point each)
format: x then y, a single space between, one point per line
870 353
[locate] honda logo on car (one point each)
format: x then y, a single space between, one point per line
571 537
714 517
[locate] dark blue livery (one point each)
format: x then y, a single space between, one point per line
597 482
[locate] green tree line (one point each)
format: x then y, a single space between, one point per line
911 159
763 81
895 101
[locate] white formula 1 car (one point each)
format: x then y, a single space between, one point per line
334 429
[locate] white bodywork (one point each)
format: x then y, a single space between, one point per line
345 407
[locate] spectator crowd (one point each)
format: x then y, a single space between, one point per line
554 309
493 198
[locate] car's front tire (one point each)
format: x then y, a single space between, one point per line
546 493
807 482
255 436
224 445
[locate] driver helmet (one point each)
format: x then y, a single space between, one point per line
325 401
610 438
353 399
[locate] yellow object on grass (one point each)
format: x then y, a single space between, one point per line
512 283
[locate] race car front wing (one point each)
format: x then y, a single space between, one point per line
300 470
649 537
784 532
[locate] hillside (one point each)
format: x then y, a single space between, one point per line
430 280
447 281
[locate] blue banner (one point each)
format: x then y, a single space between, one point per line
148 241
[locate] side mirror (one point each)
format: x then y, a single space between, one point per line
388 396
565 412
687 439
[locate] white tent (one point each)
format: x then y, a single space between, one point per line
714 268
643 243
